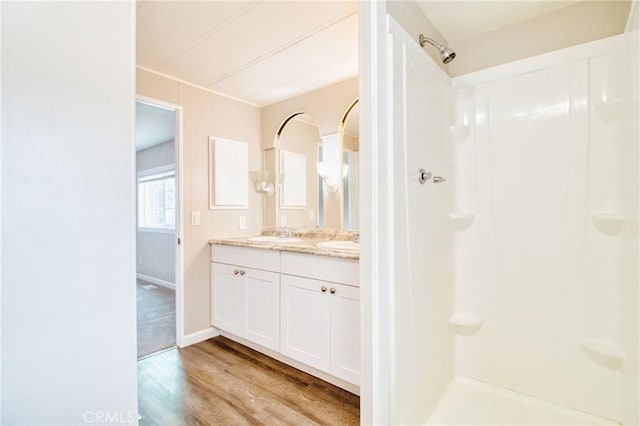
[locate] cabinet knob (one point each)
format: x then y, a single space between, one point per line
242 272
333 290
236 272
323 288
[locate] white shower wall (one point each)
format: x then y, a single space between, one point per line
538 211
423 345
515 291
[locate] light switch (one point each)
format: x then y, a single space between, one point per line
283 220
312 214
195 218
242 222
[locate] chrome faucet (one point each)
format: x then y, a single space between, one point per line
285 232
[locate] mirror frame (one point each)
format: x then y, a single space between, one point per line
276 146
341 130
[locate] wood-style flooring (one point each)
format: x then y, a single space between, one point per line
220 382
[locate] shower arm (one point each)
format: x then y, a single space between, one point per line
422 39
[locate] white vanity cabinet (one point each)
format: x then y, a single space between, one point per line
303 309
245 293
320 313
226 297
345 333
306 321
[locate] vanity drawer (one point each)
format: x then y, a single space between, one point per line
324 268
266 260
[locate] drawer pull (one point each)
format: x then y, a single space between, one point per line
242 272
236 272
333 290
323 288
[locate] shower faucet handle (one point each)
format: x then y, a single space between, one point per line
438 179
423 176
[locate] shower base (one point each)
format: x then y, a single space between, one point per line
470 402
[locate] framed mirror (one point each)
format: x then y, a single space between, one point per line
316 176
350 144
296 154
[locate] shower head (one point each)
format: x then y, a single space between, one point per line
446 54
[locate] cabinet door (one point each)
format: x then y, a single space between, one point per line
305 310
262 308
226 298
345 333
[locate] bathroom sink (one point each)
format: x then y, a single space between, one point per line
340 245
273 239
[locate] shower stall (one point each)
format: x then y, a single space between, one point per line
515 296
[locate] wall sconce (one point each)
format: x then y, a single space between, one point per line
330 174
260 179
262 183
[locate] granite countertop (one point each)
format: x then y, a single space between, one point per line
304 245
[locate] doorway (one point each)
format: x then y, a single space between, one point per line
158 230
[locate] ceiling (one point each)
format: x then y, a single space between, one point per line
260 52
460 20
153 125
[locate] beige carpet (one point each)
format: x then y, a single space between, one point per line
156 318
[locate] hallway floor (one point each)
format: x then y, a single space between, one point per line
220 382
156 307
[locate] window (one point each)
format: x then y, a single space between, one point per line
157 200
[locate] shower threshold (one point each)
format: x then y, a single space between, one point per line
470 402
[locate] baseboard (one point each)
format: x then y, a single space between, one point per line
198 336
157 281
350 387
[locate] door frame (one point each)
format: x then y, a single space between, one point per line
376 225
179 173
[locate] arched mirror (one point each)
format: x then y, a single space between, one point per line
315 176
350 142
296 155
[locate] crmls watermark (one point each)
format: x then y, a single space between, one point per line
102 417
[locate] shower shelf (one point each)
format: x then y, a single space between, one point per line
608 223
466 323
461 221
608 111
605 349
459 132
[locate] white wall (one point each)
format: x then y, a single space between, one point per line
156 251
68 276
156 257
156 156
